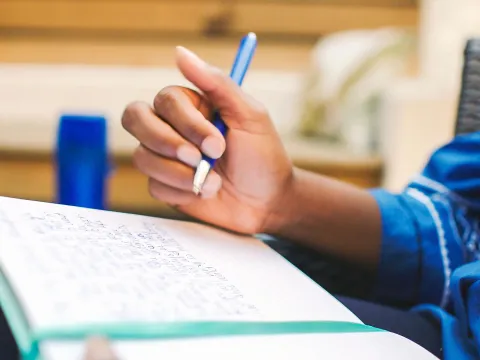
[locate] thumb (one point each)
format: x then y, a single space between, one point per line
237 109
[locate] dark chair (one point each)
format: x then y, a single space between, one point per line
468 115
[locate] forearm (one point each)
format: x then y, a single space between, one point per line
330 216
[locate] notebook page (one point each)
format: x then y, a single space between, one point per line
71 265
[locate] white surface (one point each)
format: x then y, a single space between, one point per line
38 241
445 26
34 96
345 85
418 117
420 114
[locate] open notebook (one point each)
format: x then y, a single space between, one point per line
165 289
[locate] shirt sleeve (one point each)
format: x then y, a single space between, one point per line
431 227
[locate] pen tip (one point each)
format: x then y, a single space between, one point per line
196 189
200 176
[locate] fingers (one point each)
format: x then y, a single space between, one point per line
219 88
162 144
168 171
170 180
168 194
176 106
237 109
177 197
98 348
176 127
140 120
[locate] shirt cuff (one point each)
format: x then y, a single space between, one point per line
398 275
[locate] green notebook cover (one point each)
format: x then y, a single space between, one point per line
29 340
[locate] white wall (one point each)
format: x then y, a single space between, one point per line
34 96
418 117
419 114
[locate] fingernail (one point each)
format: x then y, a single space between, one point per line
212 185
98 348
213 147
192 57
189 155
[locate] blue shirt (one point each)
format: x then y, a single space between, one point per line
431 245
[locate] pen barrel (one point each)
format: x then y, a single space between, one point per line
82 161
222 127
242 61
219 124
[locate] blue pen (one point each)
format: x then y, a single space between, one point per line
239 69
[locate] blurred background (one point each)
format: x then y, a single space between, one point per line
361 90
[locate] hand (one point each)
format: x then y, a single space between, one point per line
253 173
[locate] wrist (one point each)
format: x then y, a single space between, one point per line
283 211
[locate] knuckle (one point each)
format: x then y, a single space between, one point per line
166 100
132 114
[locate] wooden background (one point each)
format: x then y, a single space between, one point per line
144 32
273 17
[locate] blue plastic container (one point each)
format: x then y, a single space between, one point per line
82 163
